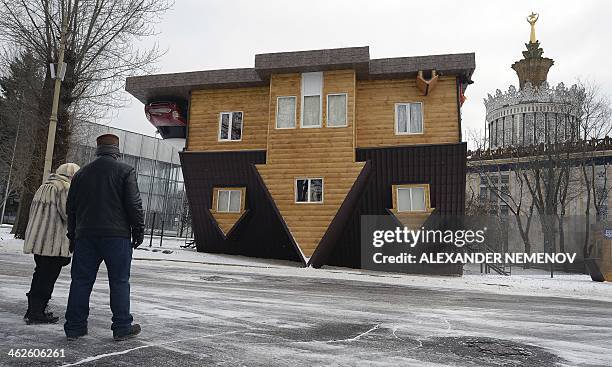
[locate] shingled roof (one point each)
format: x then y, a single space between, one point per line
453 64
178 85
357 58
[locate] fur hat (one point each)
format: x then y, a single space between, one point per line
107 139
67 169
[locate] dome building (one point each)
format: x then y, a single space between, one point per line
536 112
541 158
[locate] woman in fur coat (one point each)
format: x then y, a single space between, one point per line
46 238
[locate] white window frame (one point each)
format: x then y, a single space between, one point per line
309 179
229 198
229 127
425 200
320 94
294 113
345 110
397 132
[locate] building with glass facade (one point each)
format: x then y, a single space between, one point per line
160 178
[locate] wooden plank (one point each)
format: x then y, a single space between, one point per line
206 105
375 112
324 152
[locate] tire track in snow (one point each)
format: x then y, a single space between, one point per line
105 355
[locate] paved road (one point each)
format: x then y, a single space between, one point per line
226 316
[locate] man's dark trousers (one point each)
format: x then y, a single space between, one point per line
88 254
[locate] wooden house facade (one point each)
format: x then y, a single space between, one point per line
281 160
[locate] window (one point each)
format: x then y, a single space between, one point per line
312 88
285 112
229 200
336 110
411 198
408 118
230 126
309 190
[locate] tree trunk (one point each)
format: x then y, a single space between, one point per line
587 230
562 237
524 232
549 238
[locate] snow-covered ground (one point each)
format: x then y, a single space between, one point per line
202 309
522 282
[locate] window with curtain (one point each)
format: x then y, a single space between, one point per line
229 201
336 110
312 89
409 118
230 126
285 112
312 111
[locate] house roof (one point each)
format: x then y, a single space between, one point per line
450 64
178 85
357 58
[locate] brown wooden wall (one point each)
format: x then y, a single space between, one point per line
260 232
312 152
325 152
441 166
205 107
375 112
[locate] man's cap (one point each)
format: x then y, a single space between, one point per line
108 139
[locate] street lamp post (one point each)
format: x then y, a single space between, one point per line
60 71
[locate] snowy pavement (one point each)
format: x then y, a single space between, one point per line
203 309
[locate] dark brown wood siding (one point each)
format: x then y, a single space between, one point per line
260 233
443 167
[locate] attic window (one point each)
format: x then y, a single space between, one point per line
411 198
229 200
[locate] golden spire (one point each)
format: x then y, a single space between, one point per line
532 19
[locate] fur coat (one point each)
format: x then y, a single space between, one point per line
46 231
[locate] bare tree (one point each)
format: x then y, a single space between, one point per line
100 53
559 165
514 197
595 124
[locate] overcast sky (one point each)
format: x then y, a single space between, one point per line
221 34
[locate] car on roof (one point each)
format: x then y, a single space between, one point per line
168 118
165 113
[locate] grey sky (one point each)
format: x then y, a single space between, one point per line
201 35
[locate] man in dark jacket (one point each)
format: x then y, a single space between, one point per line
105 223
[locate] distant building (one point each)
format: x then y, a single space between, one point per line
522 126
157 164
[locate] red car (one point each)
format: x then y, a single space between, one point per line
164 114
168 118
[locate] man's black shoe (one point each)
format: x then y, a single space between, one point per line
135 330
75 336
